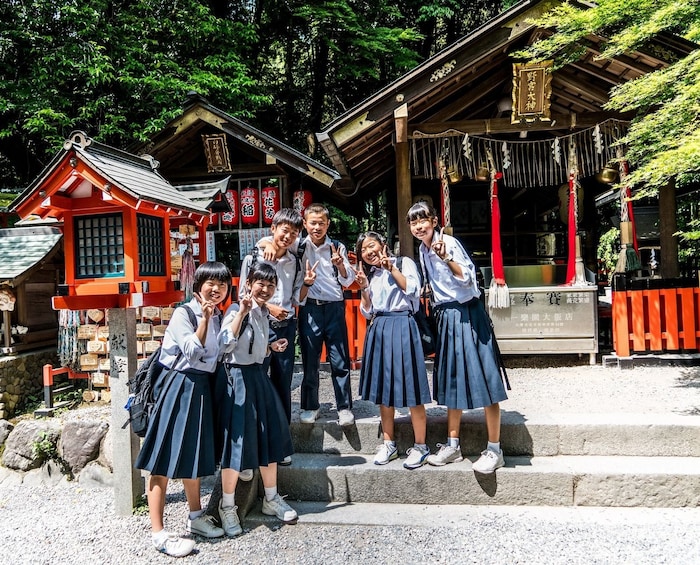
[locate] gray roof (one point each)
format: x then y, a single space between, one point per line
137 176
22 249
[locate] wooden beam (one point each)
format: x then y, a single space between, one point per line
503 125
403 179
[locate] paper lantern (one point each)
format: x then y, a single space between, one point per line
270 203
250 209
231 217
302 199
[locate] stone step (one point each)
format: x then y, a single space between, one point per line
534 435
606 481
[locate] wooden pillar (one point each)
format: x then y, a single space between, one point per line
128 484
403 180
668 225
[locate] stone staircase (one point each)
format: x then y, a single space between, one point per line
567 460
555 454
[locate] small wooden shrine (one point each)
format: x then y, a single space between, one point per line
30 271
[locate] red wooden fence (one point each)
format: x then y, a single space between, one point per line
656 320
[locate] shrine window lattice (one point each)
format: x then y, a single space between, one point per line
99 246
151 246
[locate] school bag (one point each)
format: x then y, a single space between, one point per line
141 399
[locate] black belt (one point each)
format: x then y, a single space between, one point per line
277 324
321 302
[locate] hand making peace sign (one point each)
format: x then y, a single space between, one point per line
310 273
439 245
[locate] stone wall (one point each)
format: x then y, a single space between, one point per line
21 376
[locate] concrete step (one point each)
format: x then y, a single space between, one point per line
608 481
533 435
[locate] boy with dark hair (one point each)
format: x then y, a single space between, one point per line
322 315
285 228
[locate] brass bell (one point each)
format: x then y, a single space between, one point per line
608 175
453 175
482 173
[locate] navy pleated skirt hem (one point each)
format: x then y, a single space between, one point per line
393 366
254 424
179 442
468 370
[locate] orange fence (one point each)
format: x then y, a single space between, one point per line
656 320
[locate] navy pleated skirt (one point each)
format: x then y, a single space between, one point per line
393 365
179 442
254 424
468 370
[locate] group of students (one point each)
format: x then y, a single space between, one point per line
228 399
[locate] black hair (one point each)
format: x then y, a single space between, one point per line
212 271
367 269
288 216
317 208
421 210
262 272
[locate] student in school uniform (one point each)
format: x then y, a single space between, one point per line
468 371
278 250
179 441
393 371
322 315
254 425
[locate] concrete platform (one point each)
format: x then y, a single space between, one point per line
534 481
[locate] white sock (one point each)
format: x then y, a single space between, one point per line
159 537
495 447
453 441
390 443
228 500
195 514
421 447
270 493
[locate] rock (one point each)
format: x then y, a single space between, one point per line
80 442
19 451
10 478
95 475
48 475
106 458
5 429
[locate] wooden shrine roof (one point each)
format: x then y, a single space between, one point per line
24 249
135 177
460 88
178 147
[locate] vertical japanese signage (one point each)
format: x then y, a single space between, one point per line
532 92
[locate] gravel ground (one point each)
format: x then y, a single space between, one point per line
67 523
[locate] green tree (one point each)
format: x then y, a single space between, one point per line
664 138
118 69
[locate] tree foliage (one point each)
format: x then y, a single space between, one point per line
664 138
120 69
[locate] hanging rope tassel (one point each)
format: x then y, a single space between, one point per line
628 259
499 295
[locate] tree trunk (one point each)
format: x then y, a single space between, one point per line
668 227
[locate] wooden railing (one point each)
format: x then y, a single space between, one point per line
658 320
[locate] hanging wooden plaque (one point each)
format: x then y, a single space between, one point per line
216 151
532 92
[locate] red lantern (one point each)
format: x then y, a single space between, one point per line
270 203
231 217
302 200
250 209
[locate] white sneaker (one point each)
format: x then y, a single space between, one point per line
446 454
308 416
229 520
204 526
416 457
279 507
385 454
346 417
246 475
488 462
286 462
175 546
